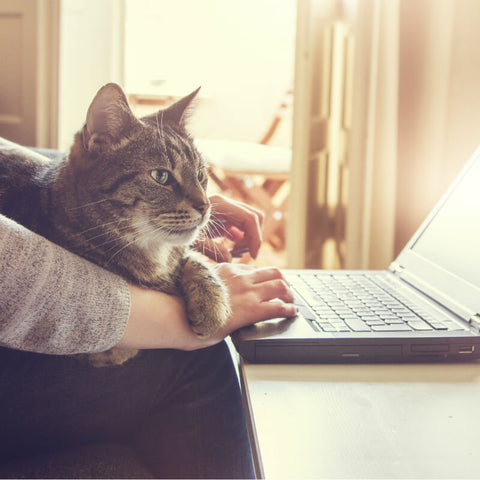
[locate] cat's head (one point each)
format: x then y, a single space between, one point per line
146 173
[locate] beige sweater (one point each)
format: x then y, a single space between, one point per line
52 301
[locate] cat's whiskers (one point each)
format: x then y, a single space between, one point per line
209 236
217 228
217 217
137 238
203 240
102 225
117 238
111 231
86 205
141 231
209 231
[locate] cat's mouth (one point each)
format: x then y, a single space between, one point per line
185 231
183 235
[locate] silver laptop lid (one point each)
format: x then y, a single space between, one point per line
443 257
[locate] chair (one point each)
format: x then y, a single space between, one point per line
255 173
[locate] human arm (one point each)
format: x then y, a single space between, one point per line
53 301
158 320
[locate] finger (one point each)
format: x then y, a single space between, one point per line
247 220
229 270
274 289
260 215
252 238
223 205
277 309
238 251
265 274
213 250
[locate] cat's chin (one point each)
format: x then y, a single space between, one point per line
184 237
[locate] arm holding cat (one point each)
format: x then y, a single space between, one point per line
53 301
250 289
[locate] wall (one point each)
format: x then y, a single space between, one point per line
91 49
439 103
240 52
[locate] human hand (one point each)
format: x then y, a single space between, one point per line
256 294
236 221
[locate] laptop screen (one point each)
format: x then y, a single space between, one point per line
443 257
451 240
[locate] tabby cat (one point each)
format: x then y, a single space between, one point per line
131 197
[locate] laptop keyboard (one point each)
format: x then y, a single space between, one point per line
356 302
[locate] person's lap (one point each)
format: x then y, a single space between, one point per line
181 411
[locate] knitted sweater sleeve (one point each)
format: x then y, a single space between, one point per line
52 301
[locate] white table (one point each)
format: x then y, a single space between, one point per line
364 421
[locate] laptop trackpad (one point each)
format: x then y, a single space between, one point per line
293 327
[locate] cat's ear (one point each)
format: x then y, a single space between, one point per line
109 117
177 113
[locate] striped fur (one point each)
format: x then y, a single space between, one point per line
107 202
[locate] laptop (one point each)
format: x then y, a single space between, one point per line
425 307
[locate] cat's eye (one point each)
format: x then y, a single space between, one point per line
162 177
201 175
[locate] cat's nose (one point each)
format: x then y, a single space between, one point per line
202 208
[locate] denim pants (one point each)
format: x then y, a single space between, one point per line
181 412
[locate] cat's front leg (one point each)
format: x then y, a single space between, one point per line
206 297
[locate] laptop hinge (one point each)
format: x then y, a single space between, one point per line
396 268
475 321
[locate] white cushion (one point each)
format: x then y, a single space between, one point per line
245 156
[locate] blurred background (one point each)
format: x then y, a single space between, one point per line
344 120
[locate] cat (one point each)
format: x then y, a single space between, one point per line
131 197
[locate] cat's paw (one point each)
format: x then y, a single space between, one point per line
114 356
206 299
208 315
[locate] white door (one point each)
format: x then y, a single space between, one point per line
90 55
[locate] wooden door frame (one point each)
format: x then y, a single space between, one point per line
30 42
48 47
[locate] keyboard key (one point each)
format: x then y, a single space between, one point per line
329 329
350 316
306 313
370 323
395 321
438 326
391 328
357 325
310 297
420 325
